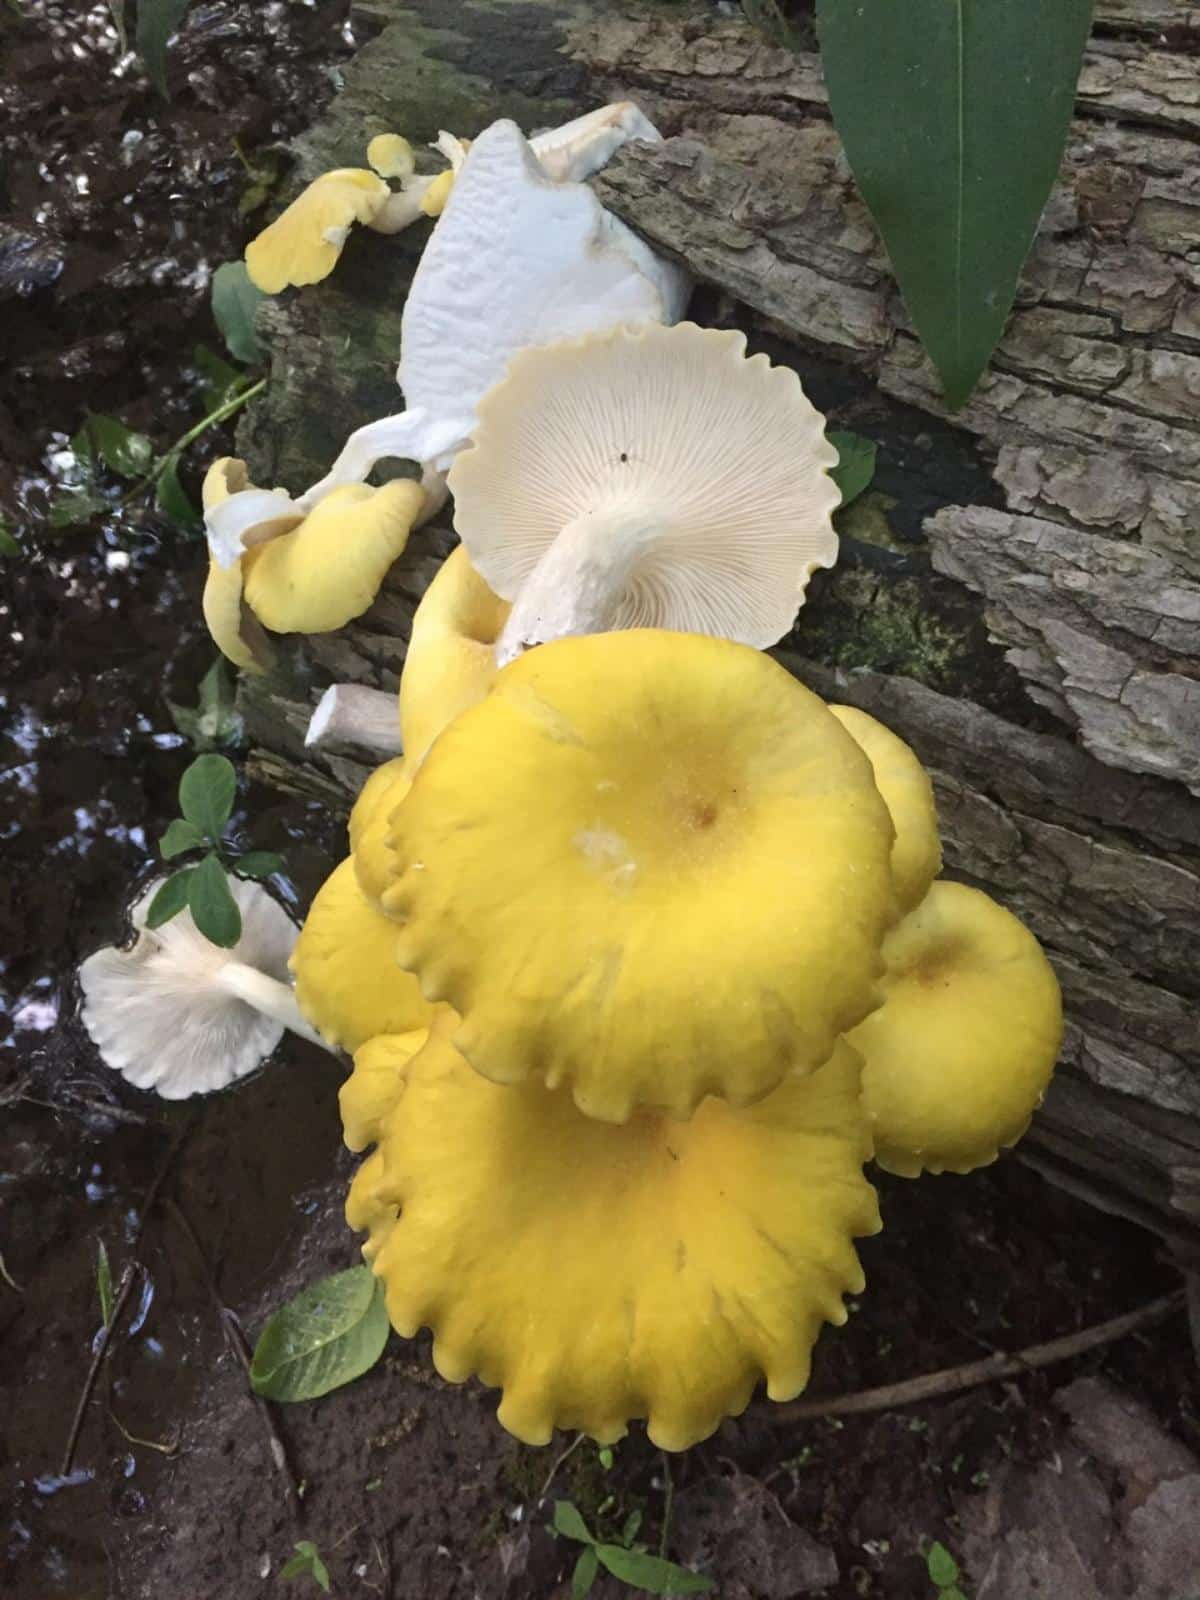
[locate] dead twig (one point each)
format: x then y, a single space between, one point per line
129 1277
954 1379
235 1340
553 1473
164 1447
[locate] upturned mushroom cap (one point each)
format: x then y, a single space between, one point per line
161 1012
369 825
647 477
303 244
599 1273
329 569
957 1058
649 865
391 156
451 659
348 983
908 795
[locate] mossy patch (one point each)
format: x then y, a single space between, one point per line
862 619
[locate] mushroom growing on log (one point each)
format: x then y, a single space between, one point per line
1022 607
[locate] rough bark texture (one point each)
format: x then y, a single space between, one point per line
1019 595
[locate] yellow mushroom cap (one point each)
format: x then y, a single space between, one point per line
599 1273
369 824
329 569
234 628
302 245
433 201
908 795
372 1091
348 984
391 155
649 865
451 659
959 1055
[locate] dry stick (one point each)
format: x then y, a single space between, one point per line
235 1339
989 1370
553 1473
124 1289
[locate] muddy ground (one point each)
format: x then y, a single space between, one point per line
114 208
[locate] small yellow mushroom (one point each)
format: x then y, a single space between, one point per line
451 660
961 1051
348 984
235 630
908 795
391 156
303 244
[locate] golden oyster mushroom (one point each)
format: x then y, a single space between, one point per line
599 1273
649 865
960 1053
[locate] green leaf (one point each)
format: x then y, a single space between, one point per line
172 498
630 1531
258 864
569 1523
943 1569
214 720
328 1335
171 898
307 1563
954 114
221 381
605 1457
104 1286
650 1573
207 791
105 439
214 910
9 544
234 301
856 464
157 20
585 1572
74 506
180 837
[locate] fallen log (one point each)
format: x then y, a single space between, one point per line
1019 594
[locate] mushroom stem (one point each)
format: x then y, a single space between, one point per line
579 582
266 994
351 716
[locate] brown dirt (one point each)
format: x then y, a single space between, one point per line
410 1486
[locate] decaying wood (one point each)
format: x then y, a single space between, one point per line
1022 604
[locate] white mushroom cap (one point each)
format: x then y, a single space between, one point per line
647 477
177 1014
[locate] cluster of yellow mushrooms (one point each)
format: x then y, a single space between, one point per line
640 948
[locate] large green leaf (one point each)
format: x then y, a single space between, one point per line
234 301
954 114
651 1574
329 1334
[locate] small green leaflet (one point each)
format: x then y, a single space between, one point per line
954 114
104 1287
171 497
328 1335
214 910
234 302
171 898
207 791
179 838
651 1574
569 1523
258 864
9 544
214 720
584 1575
856 464
941 1565
74 506
157 20
307 1563
105 440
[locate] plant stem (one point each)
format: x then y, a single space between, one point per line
180 445
668 1506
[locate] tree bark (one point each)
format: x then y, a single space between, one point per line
1019 594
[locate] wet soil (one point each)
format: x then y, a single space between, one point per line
410 1488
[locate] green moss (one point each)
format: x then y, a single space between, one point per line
857 618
